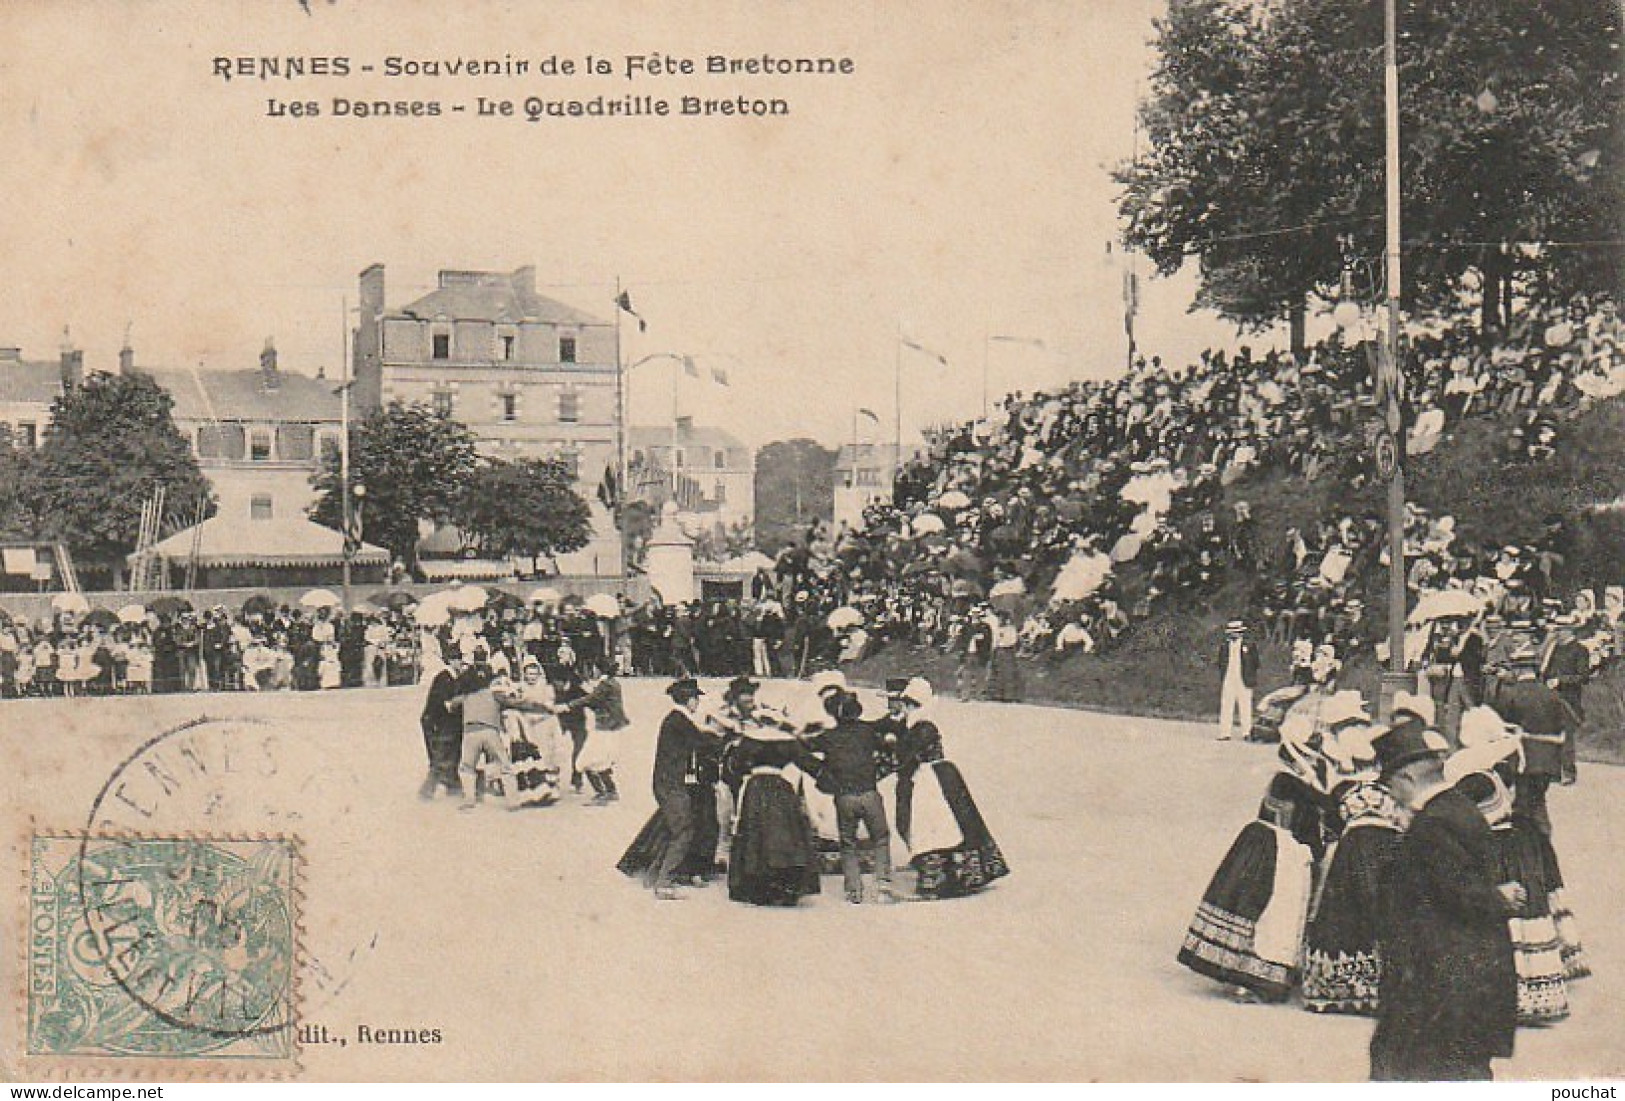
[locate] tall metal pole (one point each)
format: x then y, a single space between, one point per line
621 496
897 412
348 551
1396 679
987 345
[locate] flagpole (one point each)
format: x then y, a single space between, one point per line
618 502
897 381
346 552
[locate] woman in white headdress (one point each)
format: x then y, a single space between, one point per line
1342 970
1248 929
1485 769
953 852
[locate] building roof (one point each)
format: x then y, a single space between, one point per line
243 396
282 541
651 436
30 381
493 296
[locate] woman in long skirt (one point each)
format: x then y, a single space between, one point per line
1248 929
1542 985
1342 971
773 858
953 851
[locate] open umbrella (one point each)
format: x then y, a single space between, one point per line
962 563
1082 575
431 613
469 598
964 587
546 595
393 599
132 613
927 523
842 618
954 499
1127 548
1010 586
320 598
101 617
1445 604
603 605
70 602
260 604
169 605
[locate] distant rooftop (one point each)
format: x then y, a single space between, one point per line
493 296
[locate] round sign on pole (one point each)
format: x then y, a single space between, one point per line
1386 453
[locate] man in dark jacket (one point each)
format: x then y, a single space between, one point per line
1565 668
1449 988
1548 725
442 723
848 771
1240 661
679 741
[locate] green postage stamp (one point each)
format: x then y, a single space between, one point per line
173 949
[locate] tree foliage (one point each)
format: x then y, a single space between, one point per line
795 484
1265 127
414 463
111 443
527 509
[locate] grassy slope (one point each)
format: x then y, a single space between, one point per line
1168 666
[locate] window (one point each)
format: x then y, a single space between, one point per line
330 447
680 457
722 460
567 349
721 494
510 407
571 458
505 346
442 346
296 442
442 402
569 406
259 445
259 507
221 441
28 435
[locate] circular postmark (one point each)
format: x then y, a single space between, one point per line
186 884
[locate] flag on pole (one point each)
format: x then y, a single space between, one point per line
719 376
941 359
871 414
690 368
624 302
609 488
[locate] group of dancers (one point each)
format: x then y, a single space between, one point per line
1299 900
774 800
521 739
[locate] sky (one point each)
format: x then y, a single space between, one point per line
953 187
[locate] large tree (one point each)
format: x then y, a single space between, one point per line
414 463
111 443
795 484
1265 158
527 508
15 520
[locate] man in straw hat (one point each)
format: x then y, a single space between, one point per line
1449 988
1240 675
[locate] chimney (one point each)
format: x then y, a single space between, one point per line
126 359
685 424
73 363
523 280
9 354
269 379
